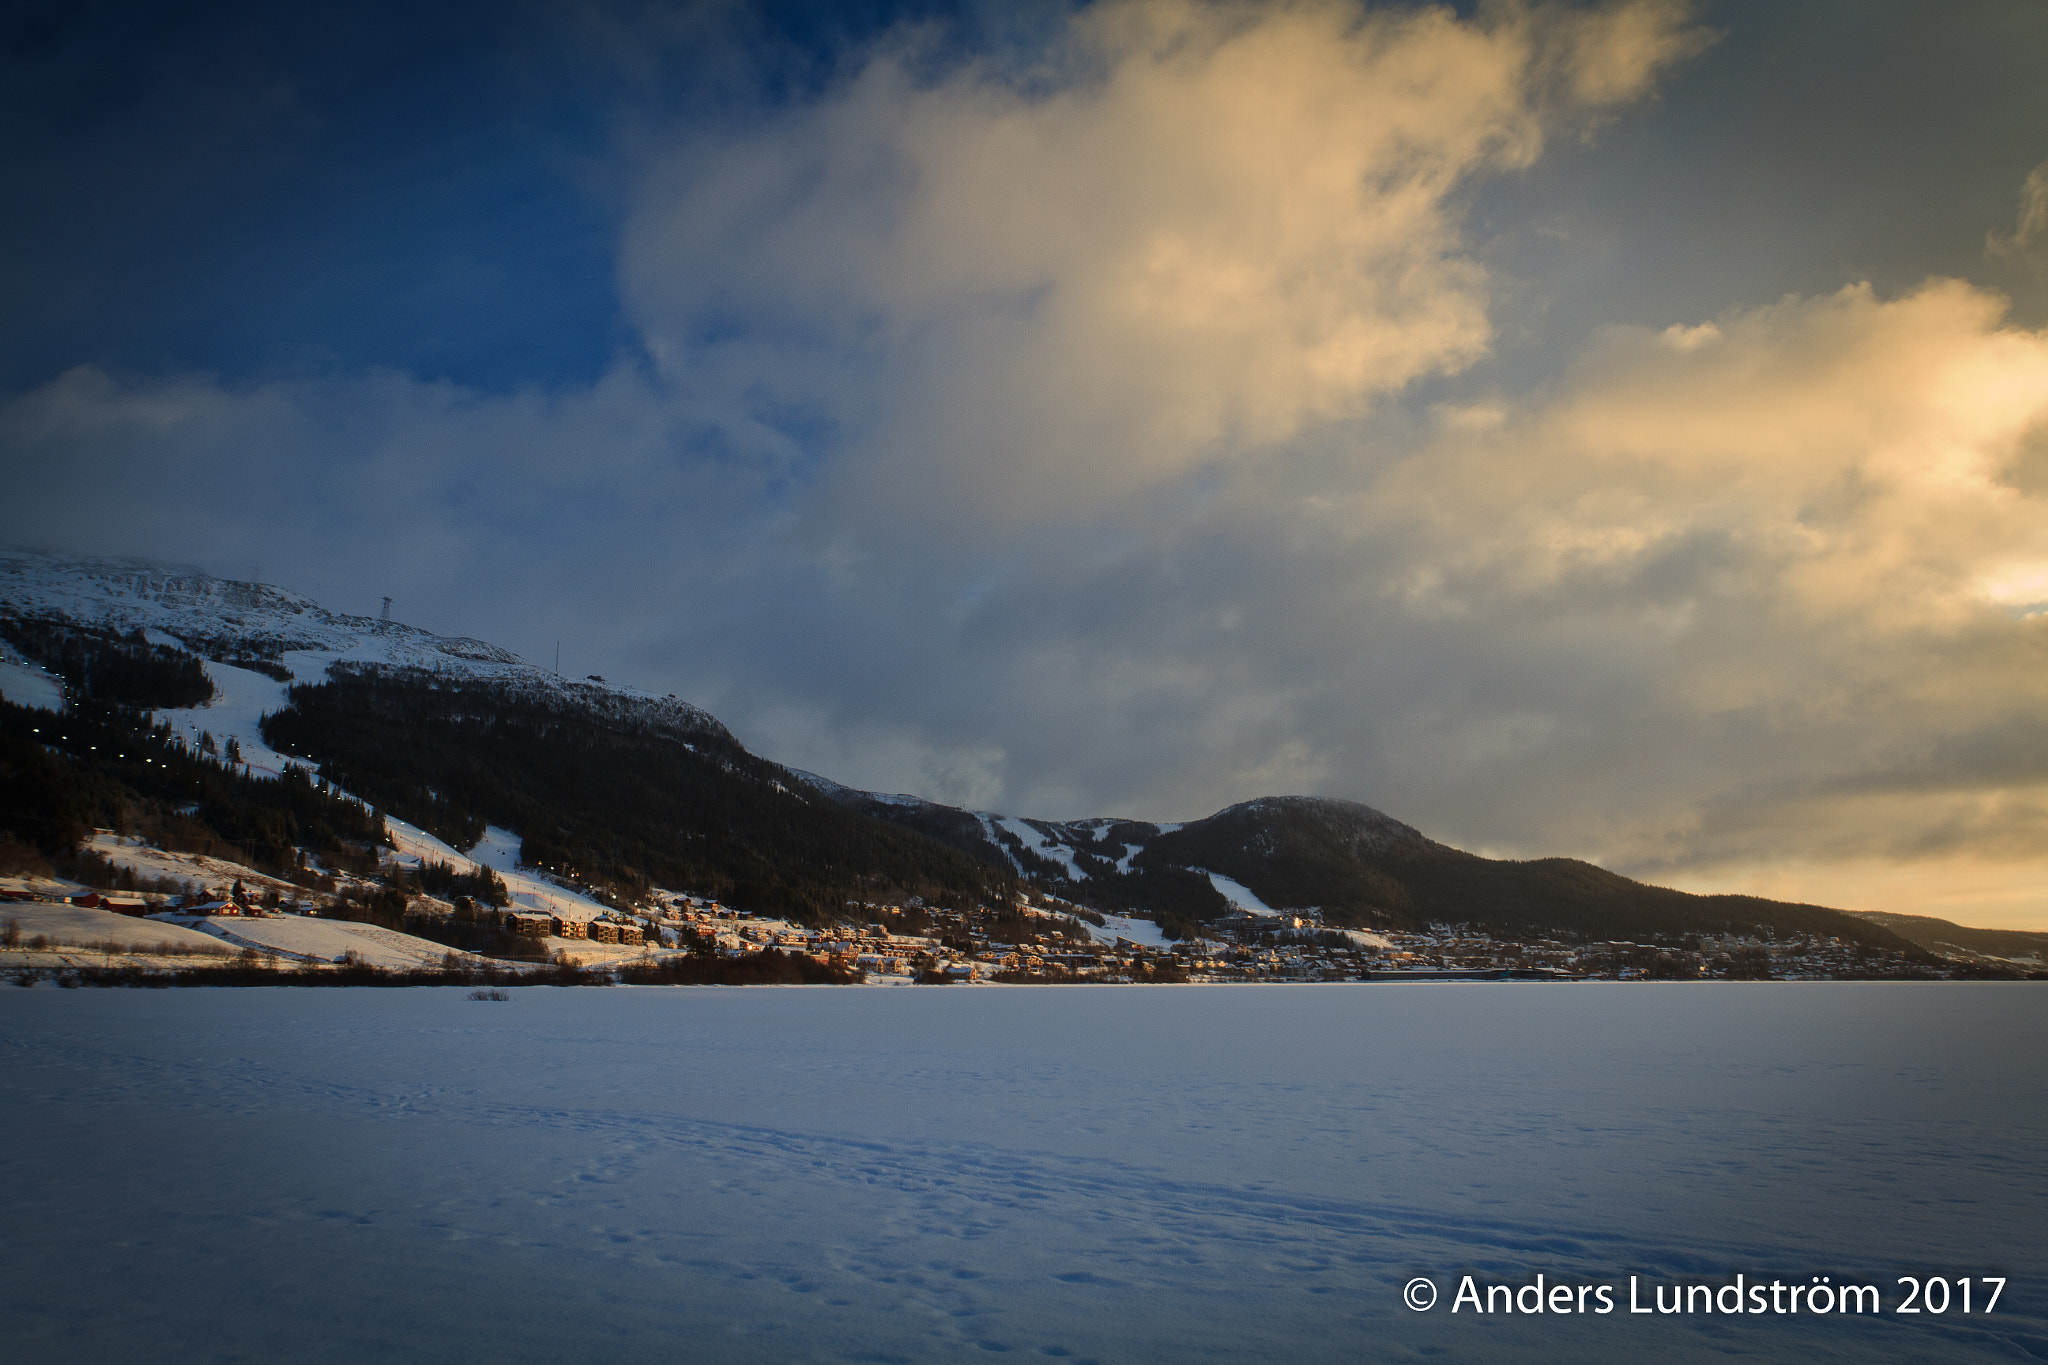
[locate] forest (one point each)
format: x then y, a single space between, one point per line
116 670
101 766
613 803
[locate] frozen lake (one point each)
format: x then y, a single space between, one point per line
1113 1174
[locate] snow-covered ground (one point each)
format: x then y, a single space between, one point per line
24 684
240 699
1209 1174
499 851
193 869
322 940
1239 895
1114 927
530 891
78 926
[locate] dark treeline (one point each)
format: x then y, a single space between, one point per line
440 879
611 803
765 968
250 970
118 670
1299 855
106 767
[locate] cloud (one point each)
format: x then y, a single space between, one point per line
1102 435
2030 232
1196 230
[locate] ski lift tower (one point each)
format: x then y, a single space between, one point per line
386 617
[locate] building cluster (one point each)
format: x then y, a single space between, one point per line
1052 942
1688 957
613 928
1031 944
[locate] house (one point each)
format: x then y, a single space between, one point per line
569 928
600 931
530 926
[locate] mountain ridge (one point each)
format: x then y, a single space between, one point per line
346 684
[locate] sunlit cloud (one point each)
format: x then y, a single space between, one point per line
1224 223
1109 433
2029 235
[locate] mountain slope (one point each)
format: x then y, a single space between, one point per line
611 797
622 788
1944 936
616 787
1355 866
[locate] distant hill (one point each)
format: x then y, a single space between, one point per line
1941 936
624 788
1355 866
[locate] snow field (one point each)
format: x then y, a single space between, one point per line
240 699
1140 931
323 940
24 684
75 925
1086 1174
213 873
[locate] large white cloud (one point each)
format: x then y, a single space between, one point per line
1205 226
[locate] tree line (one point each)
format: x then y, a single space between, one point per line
120 670
102 766
610 803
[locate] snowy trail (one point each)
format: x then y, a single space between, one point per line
26 684
1239 895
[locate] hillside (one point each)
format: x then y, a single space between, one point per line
1352 865
1945 937
621 789
612 797
242 689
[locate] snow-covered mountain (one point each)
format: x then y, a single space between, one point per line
605 785
626 787
234 622
1336 861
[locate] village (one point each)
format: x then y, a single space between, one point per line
553 922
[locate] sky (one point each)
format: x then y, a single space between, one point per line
1612 430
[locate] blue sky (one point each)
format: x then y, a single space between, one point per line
1607 429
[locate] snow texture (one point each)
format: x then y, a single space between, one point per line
1088 1174
1239 895
24 684
76 925
531 892
183 606
1141 931
301 939
241 698
1044 845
